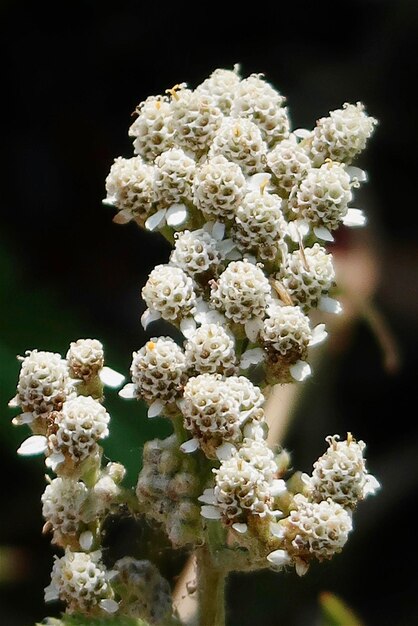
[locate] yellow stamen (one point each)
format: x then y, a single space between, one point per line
173 91
151 345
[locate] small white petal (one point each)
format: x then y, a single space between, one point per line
207 497
54 460
371 486
190 446
128 392
298 229
323 233
258 181
356 173
156 220
23 418
329 305
278 487
251 357
148 316
110 377
13 403
155 408
37 444
210 512
188 326
240 528
279 558
122 217
108 605
301 567
86 540
51 593
302 133
218 231
306 479
354 218
252 328
109 200
319 334
176 214
254 430
277 530
225 451
300 370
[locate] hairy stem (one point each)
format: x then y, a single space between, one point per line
211 586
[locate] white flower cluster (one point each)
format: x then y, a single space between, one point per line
61 403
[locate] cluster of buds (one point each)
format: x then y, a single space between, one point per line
249 206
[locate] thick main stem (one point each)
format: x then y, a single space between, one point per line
211 589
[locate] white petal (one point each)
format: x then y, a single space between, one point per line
300 370
225 451
278 487
148 316
108 605
255 430
226 246
13 403
109 200
128 392
207 497
298 229
279 558
302 133
190 446
240 528
301 567
354 218
323 233
156 220
54 460
176 214
37 444
252 328
155 408
277 530
371 486
86 540
218 231
356 173
257 181
210 512
188 326
23 418
110 377
319 334
122 217
251 357
51 593
329 305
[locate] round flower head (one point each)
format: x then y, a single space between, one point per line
289 163
145 594
308 275
169 291
174 172
258 101
81 581
219 187
158 371
242 292
214 409
196 118
323 196
259 224
153 128
81 422
211 350
221 86
239 140
130 188
85 358
316 529
342 135
42 388
341 474
195 252
63 501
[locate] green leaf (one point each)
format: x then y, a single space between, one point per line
335 612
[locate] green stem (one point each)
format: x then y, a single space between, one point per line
211 586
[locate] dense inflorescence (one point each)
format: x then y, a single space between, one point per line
249 206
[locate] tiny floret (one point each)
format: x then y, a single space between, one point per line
85 358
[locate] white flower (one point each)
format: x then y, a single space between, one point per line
239 140
63 501
289 163
221 86
85 358
196 252
153 128
174 172
210 349
219 187
169 291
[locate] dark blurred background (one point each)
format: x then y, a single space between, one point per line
72 74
